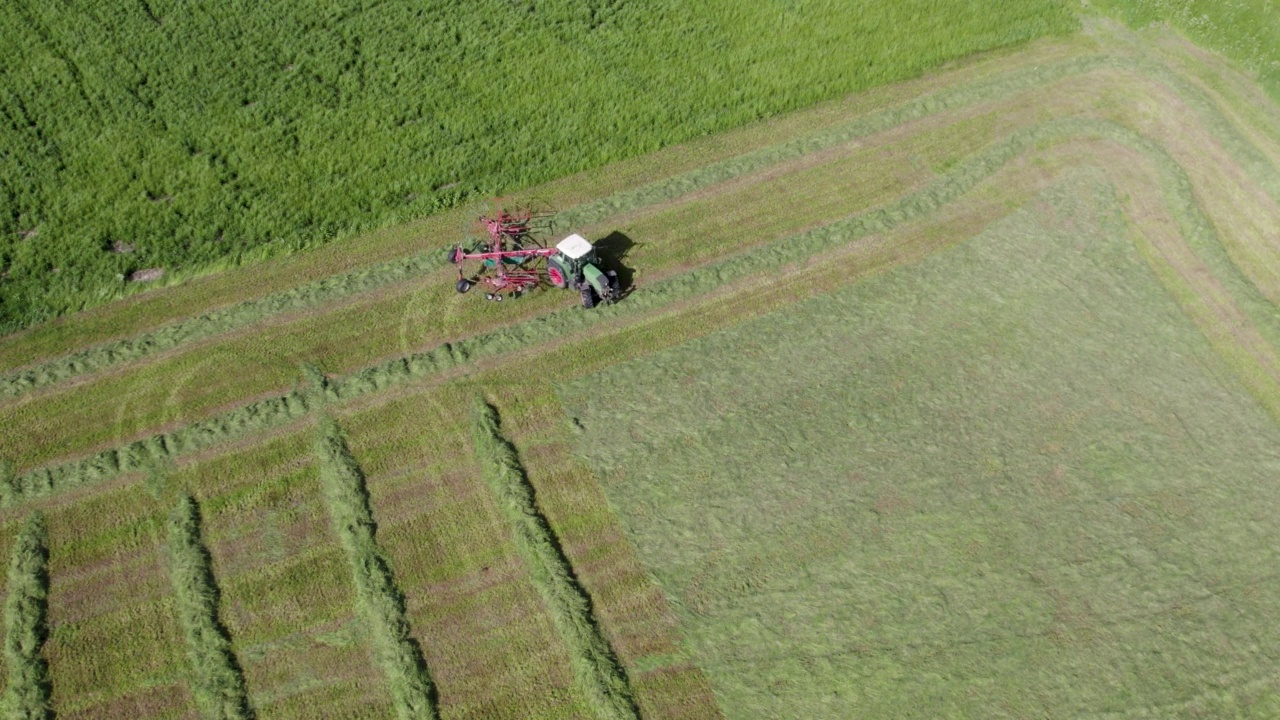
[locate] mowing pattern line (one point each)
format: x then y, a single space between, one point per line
963 177
379 600
217 680
26 624
595 666
336 287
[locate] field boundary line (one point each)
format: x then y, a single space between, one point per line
217 680
596 668
378 599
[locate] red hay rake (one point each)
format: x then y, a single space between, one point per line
510 257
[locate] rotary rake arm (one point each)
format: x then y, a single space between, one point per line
504 271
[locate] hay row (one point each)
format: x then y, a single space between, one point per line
217 680
378 599
596 669
26 624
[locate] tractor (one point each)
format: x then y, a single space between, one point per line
511 261
576 267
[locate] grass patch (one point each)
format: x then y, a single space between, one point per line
1032 470
26 625
216 678
595 667
379 601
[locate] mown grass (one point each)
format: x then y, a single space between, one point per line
596 669
1034 470
379 600
216 678
115 642
120 129
26 624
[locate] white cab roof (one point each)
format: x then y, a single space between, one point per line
574 246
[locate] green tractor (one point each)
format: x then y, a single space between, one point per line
575 266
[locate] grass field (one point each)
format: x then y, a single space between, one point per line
971 487
189 136
967 393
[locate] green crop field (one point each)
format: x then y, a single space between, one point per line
957 396
186 136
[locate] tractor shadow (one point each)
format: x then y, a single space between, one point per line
613 250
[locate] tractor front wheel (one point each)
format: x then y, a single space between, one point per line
588 297
556 274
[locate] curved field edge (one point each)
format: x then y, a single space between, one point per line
22 380
147 406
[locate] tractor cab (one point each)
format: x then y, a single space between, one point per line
575 266
573 252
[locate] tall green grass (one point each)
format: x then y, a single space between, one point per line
26 624
379 601
595 666
184 135
217 681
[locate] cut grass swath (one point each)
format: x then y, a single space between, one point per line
217 681
595 667
379 601
26 624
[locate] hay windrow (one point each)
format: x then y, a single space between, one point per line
29 691
378 599
596 669
217 680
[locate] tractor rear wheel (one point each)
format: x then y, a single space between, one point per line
588 297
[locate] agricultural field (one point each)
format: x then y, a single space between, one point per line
150 141
955 397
